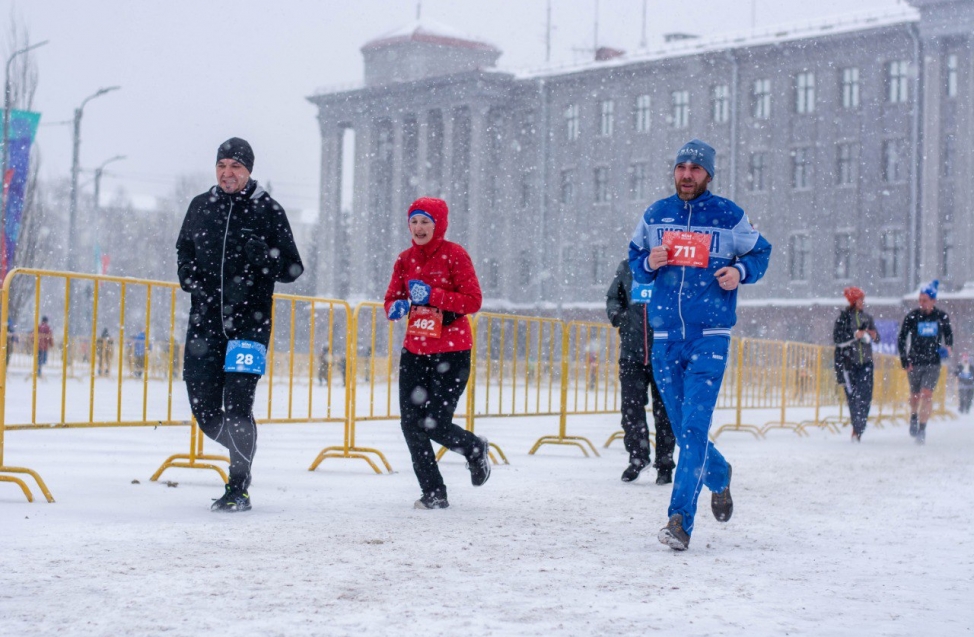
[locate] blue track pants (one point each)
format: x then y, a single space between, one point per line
689 374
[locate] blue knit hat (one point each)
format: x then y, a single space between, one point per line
930 289
697 152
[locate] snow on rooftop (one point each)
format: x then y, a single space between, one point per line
429 31
775 34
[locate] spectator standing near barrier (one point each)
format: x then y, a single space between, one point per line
138 354
45 340
435 285
695 248
965 383
627 310
919 344
853 335
234 244
106 351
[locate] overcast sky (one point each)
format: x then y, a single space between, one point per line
195 72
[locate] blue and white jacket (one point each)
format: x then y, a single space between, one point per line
688 302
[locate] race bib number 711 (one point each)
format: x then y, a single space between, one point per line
687 248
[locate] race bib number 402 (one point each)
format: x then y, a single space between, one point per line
245 357
425 321
687 248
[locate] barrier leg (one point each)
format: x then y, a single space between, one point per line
23 485
191 460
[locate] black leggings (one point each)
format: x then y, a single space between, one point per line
429 389
223 405
637 385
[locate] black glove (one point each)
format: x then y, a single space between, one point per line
257 252
187 280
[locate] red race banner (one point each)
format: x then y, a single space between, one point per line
687 248
425 321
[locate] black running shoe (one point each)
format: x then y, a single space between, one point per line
664 476
479 465
721 503
234 499
631 474
435 500
921 436
673 534
914 427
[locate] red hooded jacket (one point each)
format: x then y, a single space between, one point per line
447 269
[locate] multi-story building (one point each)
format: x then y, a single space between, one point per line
848 142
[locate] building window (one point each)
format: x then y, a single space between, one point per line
525 198
801 168
601 185
805 93
491 277
894 166
567 190
762 99
638 182
524 268
571 122
600 265
721 96
843 256
850 88
951 75
950 156
897 75
642 114
681 109
845 169
891 254
606 117
948 237
758 171
799 257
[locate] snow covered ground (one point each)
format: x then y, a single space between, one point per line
827 538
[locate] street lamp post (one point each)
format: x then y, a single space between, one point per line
73 209
98 173
3 162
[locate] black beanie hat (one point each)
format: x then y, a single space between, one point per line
238 150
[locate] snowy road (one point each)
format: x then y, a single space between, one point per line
828 538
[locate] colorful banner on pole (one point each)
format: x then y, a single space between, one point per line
21 130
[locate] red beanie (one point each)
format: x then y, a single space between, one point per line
853 294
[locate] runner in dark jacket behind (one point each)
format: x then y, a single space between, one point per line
853 335
235 243
920 351
636 378
965 383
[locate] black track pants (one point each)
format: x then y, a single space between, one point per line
429 388
637 383
224 409
858 384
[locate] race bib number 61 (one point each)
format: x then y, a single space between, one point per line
687 248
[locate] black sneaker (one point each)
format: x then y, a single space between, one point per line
664 476
479 466
673 534
633 470
435 500
721 503
234 499
914 427
921 435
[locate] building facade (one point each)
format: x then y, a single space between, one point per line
848 143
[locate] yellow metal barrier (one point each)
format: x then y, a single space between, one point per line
365 315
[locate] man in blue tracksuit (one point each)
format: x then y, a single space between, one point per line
696 248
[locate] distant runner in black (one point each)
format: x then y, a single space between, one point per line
234 244
919 344
630 315
853 335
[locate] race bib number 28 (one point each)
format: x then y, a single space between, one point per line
687 248
245 357
425 321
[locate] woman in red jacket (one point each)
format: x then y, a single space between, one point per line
434 283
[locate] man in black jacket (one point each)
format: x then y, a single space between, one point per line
234 244
853 335
919 341
627 311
